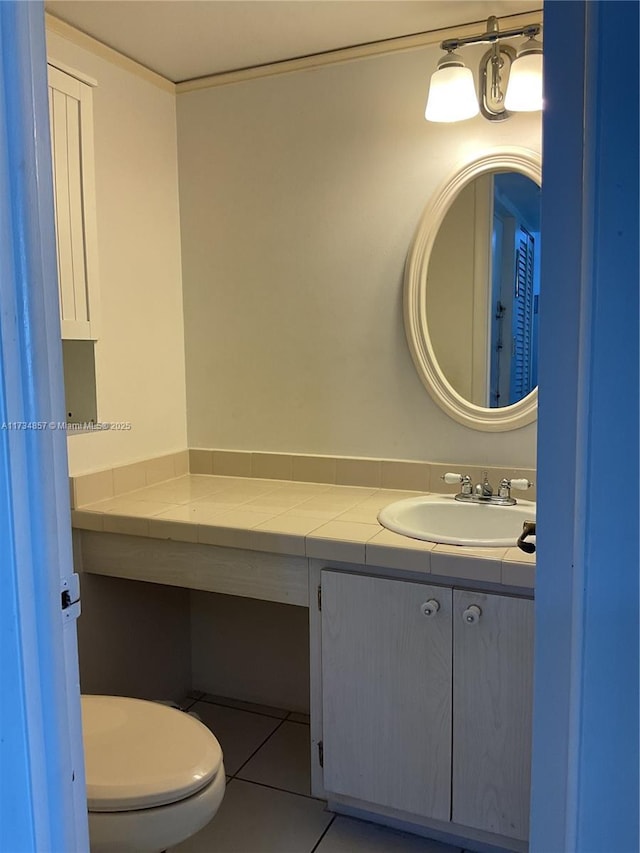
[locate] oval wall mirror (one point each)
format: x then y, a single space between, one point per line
471 292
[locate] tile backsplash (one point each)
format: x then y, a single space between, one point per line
338 470
100 485
347 471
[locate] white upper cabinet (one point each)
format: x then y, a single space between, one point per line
71 117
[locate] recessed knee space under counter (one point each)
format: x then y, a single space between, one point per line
320 547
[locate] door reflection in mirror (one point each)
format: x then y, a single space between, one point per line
483 289
515 288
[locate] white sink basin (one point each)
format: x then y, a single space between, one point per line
440 518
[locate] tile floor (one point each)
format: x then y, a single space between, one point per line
268 806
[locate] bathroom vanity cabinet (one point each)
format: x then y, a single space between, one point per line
420 655
426 696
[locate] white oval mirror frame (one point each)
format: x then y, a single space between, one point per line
511 417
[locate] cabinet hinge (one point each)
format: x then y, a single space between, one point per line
319 597
321 753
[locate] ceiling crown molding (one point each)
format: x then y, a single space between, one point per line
287 66
350 54
98 48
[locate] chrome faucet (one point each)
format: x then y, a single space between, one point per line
484 489
482 492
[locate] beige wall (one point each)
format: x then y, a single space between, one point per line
133 639
140 354
299 197
449 295
458 301
253 650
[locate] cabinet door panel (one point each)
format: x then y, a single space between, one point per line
76 213
71 122
63 164
386 679
492 701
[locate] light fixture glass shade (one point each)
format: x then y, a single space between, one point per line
452 94
524 91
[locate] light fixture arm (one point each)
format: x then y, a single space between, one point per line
492 35
496 65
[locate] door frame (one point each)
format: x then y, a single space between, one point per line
43 799
585 739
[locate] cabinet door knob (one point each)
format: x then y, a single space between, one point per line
472 614
430 608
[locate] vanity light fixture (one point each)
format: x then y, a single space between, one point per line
508 82
525 80
452 95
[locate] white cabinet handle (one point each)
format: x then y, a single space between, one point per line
472 614
430 608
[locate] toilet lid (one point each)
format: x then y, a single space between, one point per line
140 754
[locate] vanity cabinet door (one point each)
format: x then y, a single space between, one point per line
492 703
386 685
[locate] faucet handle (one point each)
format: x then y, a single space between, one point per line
454 479
520 483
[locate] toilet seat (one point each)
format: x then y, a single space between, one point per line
157 829
141 755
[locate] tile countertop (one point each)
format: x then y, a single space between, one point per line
302 519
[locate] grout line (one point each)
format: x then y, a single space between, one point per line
288 719
234 775
275 788
327 828
222 704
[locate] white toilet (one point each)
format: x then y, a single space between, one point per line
155 775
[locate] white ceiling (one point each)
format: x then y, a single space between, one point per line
185 39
